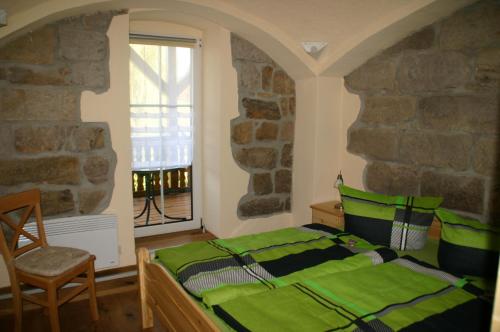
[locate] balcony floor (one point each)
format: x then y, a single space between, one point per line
176 205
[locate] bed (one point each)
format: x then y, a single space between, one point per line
326 279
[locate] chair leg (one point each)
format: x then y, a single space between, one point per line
53 309
17 301
94 311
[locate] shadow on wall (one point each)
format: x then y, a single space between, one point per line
429 124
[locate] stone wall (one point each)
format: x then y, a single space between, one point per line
429 122
43 142
262 135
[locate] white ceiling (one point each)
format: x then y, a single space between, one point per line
332 21
343 24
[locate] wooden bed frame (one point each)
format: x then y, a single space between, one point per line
162 295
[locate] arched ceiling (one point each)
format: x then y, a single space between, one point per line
354 29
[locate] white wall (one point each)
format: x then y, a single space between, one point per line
325 111
113 107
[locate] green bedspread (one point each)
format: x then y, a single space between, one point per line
316 278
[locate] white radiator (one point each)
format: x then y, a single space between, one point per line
95 233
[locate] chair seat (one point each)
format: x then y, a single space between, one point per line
51 261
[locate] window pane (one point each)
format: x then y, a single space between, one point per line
144 74
162 132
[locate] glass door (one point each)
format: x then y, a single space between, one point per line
162 108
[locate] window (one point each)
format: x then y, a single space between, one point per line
161 104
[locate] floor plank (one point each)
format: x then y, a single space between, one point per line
118 312
176 206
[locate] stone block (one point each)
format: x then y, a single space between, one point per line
421 40
282 83
242 49
488 65
30 139
264 158
375 75
57 202
39 104
93 75
258 109
377 143
486 156
37 47
39 76
287 155
267 131
94 22
90 201
242 133
6 141
388 110
436 150
460 192
287 131
474 114
12 104
51 170
99 21
248 76
284 106
3 74
267 78
433 72
84 139
96 169
262 183
283 181
260 207
392 179
82 45
291 105
472 27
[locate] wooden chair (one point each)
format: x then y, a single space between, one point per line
38 264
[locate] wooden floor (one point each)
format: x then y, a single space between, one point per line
176 206
118 299
118 312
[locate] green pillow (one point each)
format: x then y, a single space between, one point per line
467 246
399 222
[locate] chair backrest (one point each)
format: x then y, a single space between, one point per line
20 206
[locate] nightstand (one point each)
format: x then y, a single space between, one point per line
325 213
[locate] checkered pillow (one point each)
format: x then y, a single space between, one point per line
399 222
